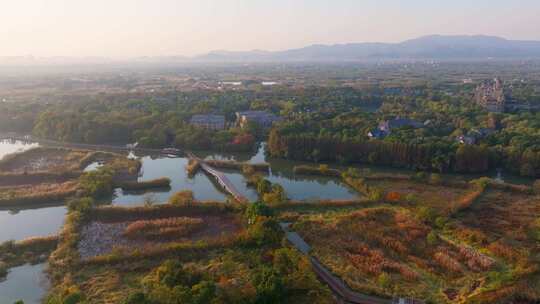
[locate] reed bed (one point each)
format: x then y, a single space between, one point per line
37 177
37 194
164 228
321 170
119 214
30 250
151 184
193 166
234 165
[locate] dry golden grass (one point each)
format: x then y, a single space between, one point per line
364 245
164 228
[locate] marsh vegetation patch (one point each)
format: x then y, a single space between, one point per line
101 238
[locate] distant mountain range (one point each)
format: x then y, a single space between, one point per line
429 47
435 47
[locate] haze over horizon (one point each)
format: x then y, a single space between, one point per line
125 28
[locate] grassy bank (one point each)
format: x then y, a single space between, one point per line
9 179
32 250
38 194
232 268
192 167
322 170
117 213
138 186
233 165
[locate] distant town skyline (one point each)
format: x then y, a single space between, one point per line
132 28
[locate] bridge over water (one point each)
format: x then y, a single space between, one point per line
221 178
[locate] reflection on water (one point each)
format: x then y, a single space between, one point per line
297 187
21 224
8 146
309 188
27 283
175 169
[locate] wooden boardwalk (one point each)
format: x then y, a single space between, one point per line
221 178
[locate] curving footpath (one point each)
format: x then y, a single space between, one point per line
338 287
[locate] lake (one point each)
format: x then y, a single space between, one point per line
27 283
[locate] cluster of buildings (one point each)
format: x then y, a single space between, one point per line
385 127
218 122
490 95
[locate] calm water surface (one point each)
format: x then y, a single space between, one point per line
21 224
297 187
27 283
173 168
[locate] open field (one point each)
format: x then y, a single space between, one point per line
434 196
499 214
485 252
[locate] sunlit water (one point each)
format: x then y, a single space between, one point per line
14 146
27 283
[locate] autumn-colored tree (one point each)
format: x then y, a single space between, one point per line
182 198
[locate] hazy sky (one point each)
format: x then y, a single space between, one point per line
117 28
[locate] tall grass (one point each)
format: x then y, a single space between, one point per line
164 228
117 214
163 182
234 165
321 170
43 193
192 167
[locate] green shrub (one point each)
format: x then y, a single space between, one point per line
426 214
97 183
440 222
81 205
435 179
384 280
536 186
269 286
257 209
432 238
265 231
184 198
136 298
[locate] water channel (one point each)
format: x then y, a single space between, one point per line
26 282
